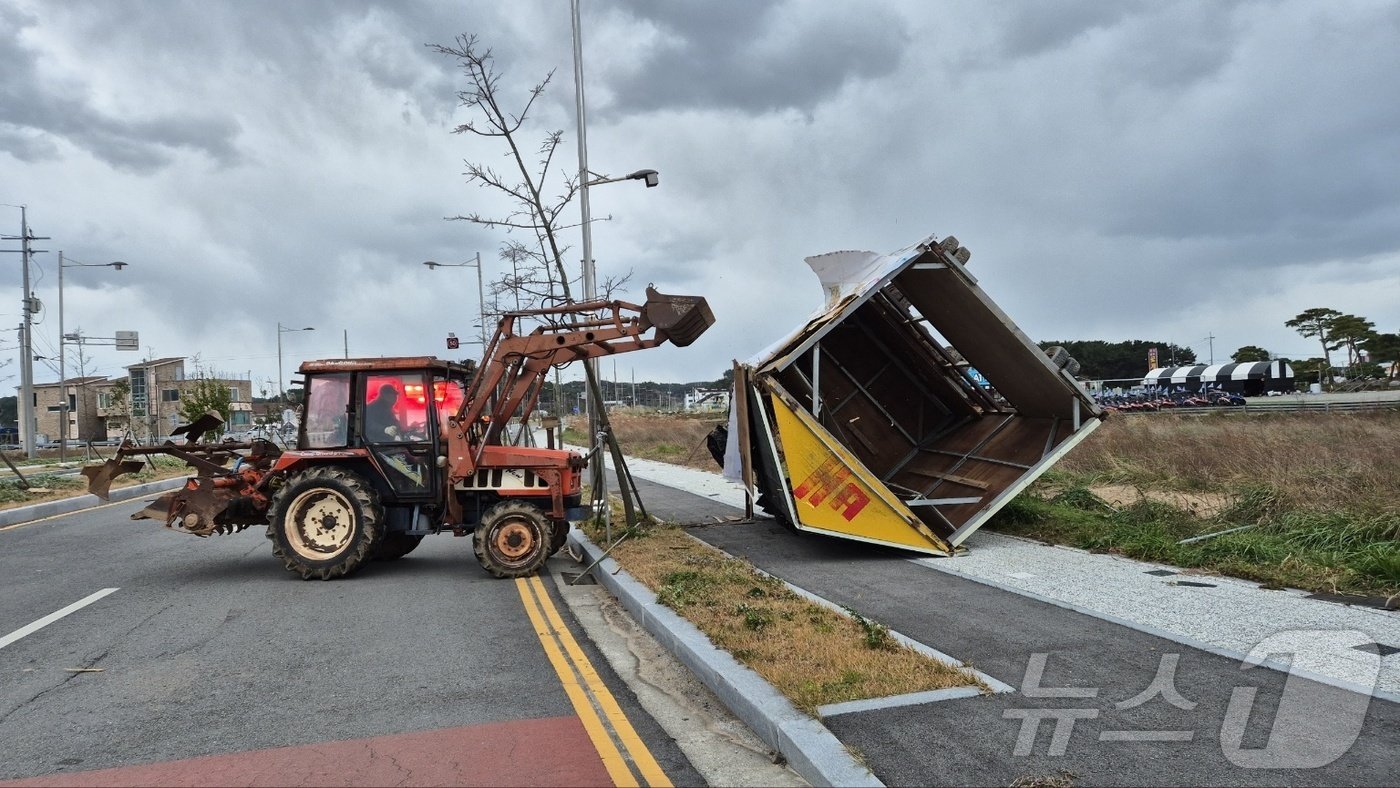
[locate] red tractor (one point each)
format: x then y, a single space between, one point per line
390 450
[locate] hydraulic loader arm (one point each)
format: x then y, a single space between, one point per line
515 365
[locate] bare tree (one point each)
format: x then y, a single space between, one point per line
538 276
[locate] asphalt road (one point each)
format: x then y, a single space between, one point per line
209 650
1086 709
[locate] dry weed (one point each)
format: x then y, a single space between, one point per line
673 438
1313 462
812 655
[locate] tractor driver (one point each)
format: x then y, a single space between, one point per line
381 423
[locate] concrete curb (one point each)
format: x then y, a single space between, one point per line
810 749
39 511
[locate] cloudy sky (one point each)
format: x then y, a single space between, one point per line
1120 170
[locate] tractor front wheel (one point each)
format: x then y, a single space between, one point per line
325 523
513 539
560 536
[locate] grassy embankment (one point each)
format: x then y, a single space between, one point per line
811 654
1318 492
675 438
50 487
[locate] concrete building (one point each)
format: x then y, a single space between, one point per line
84 423
149 405
707 399
156 388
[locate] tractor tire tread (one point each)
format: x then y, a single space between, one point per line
482 534
559 536
371 523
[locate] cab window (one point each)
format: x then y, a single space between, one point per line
396 408
327 399
448 395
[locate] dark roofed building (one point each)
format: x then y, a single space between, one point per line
1251 379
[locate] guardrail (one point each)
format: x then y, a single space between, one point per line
1290 406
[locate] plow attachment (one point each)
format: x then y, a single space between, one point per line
224 496
681 319
209 505
100 477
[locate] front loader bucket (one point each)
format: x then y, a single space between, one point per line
681 319
100 477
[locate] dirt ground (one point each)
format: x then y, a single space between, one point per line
1204 505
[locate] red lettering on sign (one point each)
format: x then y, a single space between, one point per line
830 483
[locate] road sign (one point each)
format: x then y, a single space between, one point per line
128 340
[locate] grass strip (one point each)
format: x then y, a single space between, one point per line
53 487
811 654
1322 551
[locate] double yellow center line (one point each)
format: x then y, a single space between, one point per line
624 755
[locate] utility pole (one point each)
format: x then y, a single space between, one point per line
26 329
597 476
1211 338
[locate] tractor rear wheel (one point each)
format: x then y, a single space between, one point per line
396 545
325 523
513 539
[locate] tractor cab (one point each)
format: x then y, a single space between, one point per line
393 409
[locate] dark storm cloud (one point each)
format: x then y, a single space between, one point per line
1028 29
1277 148
35 108
1254 132
758 56
1091 152
27 146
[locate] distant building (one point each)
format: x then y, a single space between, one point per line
151 408
707 399
84 424
156 388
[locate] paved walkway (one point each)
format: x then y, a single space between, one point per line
1097 702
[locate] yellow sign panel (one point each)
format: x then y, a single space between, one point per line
834 493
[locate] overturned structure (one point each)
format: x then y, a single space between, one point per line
907 411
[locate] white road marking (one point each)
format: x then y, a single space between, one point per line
30 629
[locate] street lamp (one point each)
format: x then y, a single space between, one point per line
480 290
62 359
650 177
281 392
590 284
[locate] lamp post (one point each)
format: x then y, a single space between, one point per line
281 392
590 275
62 358
480 289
